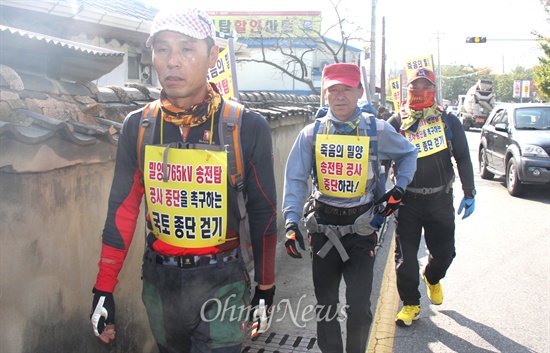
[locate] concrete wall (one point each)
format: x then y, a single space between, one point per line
50 236
284 133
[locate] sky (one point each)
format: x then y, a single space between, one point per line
416 28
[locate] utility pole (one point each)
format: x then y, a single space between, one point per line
439 81
383 65
372 83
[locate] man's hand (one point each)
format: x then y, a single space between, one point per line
293 234
261 307
392 199
377 221
468 204
103 315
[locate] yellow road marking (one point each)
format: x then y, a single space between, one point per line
383 325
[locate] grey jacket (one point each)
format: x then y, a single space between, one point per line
300 164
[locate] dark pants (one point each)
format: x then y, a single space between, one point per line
327 275
437 218
200 309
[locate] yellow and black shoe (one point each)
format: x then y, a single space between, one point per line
407 314
435 291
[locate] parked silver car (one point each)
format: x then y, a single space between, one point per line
515 142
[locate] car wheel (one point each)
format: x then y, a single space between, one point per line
483 172
513 184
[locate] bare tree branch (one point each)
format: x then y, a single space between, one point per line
313 40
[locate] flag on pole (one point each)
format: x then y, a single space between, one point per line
417 63
395 85
223 74
525 88
517 89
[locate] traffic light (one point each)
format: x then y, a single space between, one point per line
476 40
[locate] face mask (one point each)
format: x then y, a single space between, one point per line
421 98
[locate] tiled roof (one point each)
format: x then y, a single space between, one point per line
34 108
43 128
274 105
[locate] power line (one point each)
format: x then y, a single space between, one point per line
466 75
504 39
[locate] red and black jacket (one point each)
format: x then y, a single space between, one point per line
127 193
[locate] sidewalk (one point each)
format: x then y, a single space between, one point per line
292 328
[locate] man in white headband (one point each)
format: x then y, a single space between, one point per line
193 269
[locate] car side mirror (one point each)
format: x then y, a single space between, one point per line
501 127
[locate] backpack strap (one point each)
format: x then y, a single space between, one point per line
146 135
230 136
372 132
147 124
316 131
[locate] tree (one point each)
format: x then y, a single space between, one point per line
541 73
504 84
457 79
294 62
295 51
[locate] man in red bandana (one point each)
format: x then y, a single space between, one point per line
193 271
428 202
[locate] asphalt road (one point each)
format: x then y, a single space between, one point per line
496 291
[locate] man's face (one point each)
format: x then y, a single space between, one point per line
421 84
182 65
342 100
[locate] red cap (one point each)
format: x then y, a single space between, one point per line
421 73
341 73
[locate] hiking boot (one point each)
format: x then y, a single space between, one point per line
407 314
435 291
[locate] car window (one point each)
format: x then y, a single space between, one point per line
523 120
497 118
493 118
504 118
543 120
532 118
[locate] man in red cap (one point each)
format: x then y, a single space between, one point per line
340 151
193 272
438 136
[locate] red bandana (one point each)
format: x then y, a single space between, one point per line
421 98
